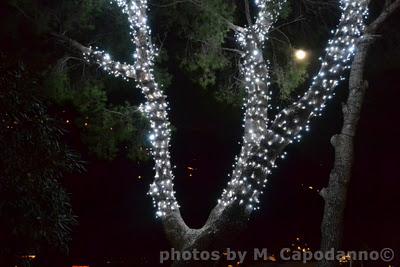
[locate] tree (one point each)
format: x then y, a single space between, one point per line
35 210
335 194
264 139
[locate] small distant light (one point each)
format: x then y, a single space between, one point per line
67 121
300 54
29 257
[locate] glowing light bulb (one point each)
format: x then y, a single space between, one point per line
300 54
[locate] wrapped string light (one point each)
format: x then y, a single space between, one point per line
268 13
255 72
114 68
155 108
250 174
263 142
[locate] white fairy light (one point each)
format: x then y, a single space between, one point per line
263 140
155 107
254 160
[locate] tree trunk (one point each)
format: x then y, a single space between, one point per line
219 231
336 193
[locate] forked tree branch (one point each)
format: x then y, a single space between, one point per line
242 193
263 144
247 183
387 11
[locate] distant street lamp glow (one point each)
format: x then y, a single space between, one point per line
300 54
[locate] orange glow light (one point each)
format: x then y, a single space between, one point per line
30 257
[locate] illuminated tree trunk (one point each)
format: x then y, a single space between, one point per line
335 194
264 139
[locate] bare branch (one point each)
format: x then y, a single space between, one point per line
237 51
72 43
101 58
172 3
300 18
232 26
387 11
247 11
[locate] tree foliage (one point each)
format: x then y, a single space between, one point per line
105 128
204 48
35 210
103 110
200 30
194 38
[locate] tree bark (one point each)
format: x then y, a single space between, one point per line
220 229
335 194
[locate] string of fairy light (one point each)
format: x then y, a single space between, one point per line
255 71
263 140
155 108
251 172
